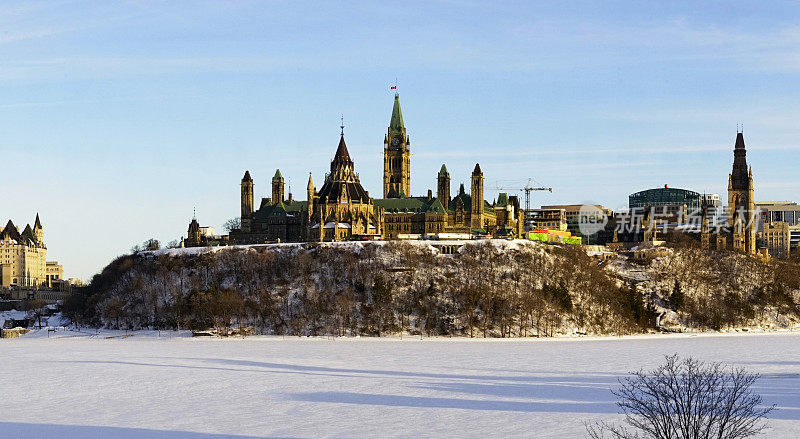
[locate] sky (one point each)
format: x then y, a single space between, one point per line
119 119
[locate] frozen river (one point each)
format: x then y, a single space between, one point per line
178 387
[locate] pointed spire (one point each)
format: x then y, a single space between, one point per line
278 175
477 170
37 224
342 156
739 141
310 185
739 174
396 125
443 172
247 176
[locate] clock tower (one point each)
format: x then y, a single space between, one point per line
396 156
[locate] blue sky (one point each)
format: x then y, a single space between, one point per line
118 118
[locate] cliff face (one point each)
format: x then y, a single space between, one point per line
488 288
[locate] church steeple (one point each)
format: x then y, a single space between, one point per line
741 200
396 156
739 175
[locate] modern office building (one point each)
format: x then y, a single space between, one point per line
786 211
775 236
666 200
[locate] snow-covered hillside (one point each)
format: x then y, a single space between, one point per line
487 288
76 387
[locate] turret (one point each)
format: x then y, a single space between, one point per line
477 197
310 194
247 202
38 230
443 187
277 187
193 235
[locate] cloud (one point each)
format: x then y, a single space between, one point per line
776 49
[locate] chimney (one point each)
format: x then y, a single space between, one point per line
430 195
290 198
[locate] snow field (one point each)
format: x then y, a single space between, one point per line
145 386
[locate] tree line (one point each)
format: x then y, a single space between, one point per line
363 289
377 289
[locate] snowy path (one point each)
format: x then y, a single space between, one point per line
295 388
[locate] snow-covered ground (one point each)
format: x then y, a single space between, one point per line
73 385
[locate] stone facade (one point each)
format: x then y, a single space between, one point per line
342 210
23 256
741 203
396 156
742 225
776 237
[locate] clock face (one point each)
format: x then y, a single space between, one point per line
396 142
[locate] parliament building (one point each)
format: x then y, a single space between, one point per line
341 209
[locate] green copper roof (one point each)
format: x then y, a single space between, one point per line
443 172
278 210
396 125
278 175
401 204
436 207
410 205
502 199
281 209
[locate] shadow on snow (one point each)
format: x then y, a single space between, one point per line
23 430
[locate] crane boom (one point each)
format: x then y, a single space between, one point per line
527 189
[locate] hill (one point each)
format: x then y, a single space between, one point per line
489 288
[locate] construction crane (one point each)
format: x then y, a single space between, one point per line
527 189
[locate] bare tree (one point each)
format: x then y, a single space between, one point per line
233 223
149 245
686 398
37 308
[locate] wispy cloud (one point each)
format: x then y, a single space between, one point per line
549 151
772 49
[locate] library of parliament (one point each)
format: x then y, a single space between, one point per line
342 210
